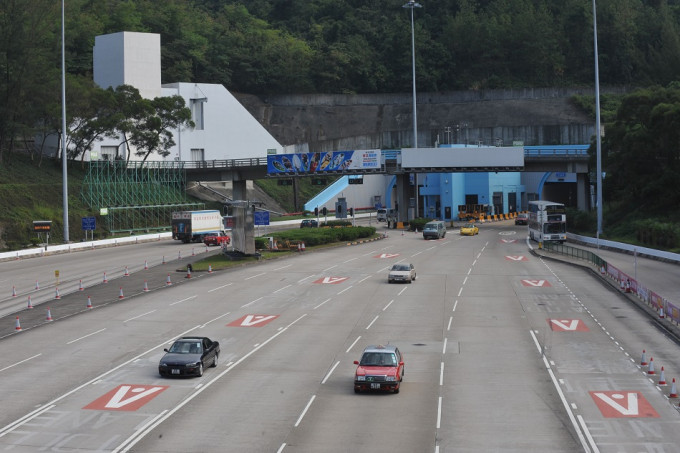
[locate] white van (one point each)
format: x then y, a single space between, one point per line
381 215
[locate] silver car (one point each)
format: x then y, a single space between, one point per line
402 272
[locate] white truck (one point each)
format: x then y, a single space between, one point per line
189 226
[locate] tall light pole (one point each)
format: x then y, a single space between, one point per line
63 126
597 128
412 4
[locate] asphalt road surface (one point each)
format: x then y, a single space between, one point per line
504 351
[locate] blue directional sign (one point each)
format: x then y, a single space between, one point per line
89 223
261 217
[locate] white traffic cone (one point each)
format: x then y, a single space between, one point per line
662 378
188 273
146 265
14 292
179 255
80 288
127 273
49 315
120 295
105 280
643 360
17 325
674 391
168 282
210 268
56 293
30 305
651 370
661 313
163 262
146 287
192 252
89 302
37 285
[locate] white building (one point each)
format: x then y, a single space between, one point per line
224 129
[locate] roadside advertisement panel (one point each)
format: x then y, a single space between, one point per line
332 161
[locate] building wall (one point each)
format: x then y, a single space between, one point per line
129 58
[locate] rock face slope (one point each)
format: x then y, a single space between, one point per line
332 122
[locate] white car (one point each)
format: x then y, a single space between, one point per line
402 272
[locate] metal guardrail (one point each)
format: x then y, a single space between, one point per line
627 283
226 163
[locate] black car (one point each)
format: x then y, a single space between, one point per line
309 223
188 356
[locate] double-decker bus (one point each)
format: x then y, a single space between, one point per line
547 221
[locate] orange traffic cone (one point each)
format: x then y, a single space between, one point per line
14 292
120 295
643 360
30 305
89 302
146 287
146 265
210 268
661 313
651 370
163 262
127 273
168 282
56 293
17 325
303 246
37 285
188 273
80 288
105 279
49 315
674 391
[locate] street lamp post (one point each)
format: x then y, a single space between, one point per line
63 127
412 4
597 128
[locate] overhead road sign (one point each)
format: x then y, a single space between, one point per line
482 159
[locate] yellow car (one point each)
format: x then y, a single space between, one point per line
469 230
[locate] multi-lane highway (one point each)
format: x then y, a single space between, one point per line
504 351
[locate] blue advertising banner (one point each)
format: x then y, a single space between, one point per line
319 163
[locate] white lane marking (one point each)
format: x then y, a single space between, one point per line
330 372
281 289
388 304
140 434
351 259
474 262
439 413
20 362
446 340
251 302
297 423
311 276
138 316
85 336
282 267
220 287
460 291
214 319
590 438
346 289
255 276
329 268
321 303
441 374
31 415
455 304
416 254
183 300
433 247
465 280
450 321
353 343
365 278
283 445
374 320
469 270
584 442
400 292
